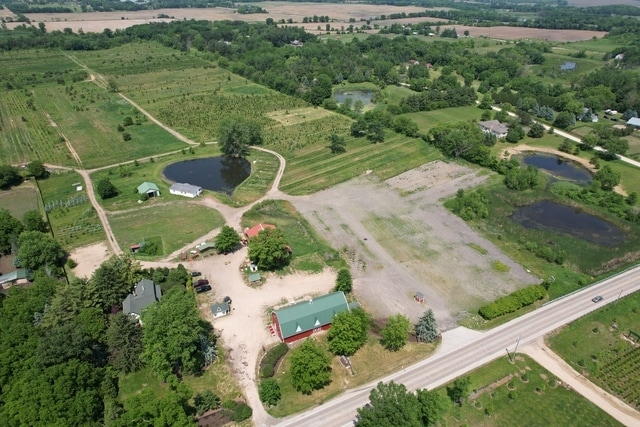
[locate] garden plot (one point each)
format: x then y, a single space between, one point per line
402 244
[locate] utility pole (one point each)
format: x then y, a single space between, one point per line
618 299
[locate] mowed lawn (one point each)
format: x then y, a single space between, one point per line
89 117
176 225
428 119
21 199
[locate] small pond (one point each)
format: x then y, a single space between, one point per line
221 174
555 217
559 167
355 95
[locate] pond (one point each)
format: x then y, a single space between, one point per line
555 217
221 174
355 95
559 167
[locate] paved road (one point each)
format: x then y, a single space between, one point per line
446 365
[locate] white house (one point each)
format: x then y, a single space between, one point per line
186 190
634 121
220 309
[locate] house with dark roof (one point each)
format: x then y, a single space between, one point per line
149 188
301 320
144 294
494 127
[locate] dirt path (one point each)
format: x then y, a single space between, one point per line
558 367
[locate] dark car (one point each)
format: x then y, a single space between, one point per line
203 288
597 299
201 282
227 300
195 274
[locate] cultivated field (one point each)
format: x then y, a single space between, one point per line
399 240
20 199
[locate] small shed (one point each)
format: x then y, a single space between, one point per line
149 188
186 190
255 277
135 247
634 121
205 246
419 296
15 277
256 229
220 309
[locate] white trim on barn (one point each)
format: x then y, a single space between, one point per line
186 190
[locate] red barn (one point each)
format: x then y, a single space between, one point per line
253 231
300 320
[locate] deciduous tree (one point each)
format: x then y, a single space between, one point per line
124 342
106 189
607 177
269 250
395 333
37 169
40 250
10 229
9 176
459 390
237 135
33 221
269 391
390 405
227 240
348 332
344 282
337 144
171 334
310 367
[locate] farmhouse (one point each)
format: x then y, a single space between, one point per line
186 190
144 294
149 188
220 309
634 121
494 127
256 229
300 320
568 66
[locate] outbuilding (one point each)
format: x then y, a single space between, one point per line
301 320
17 277
149 188
186 190
256 229
634 121
220 309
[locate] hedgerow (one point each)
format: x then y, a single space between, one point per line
271 359
513 302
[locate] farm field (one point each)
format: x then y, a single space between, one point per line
504 394
26 134
171 226
603 347
89 117
72 218
311 253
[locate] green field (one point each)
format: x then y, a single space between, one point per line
21 199
522 393
310 252
89 117
72 218
25 132
313 167
598 345
175 225
428 119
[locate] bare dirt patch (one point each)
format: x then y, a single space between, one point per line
89 258
299 115
400 239
517 33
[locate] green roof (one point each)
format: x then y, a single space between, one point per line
311 314
254 277
145 187
13 276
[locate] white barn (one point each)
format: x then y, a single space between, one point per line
186 190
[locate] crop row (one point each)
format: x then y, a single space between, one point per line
621 374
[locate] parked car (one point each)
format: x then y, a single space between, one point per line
195 274
201 282
203 288
597 299
227 300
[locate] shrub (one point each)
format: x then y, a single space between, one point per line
271 359
513 302
237 411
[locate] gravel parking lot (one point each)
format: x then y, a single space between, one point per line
400 239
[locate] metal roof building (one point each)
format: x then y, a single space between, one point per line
303 319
